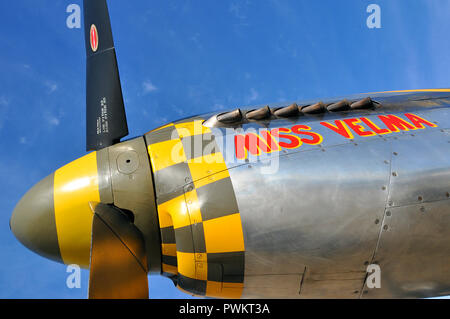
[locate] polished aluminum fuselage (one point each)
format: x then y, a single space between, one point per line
312 227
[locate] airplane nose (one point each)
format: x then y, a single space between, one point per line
33 220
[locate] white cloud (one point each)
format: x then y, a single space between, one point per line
51 86
52 120
254 95
148 87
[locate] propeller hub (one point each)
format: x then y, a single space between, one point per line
54 218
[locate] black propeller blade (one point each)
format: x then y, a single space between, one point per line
106 121
118 267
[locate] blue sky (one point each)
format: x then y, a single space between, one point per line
180 58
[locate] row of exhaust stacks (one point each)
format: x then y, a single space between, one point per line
294 110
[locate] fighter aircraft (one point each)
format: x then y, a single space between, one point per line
294 200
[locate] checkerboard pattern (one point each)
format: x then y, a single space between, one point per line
201 230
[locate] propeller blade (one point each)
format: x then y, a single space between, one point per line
118 267
106 121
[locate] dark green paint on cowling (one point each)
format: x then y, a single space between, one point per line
168 235
162 135
170 180
199 145
169 260
195 286
232 266
217 199
104 177
183 238
33 220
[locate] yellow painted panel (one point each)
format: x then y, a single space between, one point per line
177 209
225 290
169 249
232 290
75 185
207 165
201 270
186 264
165 154
224 234
165 220
192 128
193 205
213 289
201 257
189 267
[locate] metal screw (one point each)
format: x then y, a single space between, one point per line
377 221
385 227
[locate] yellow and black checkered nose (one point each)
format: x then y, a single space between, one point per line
202 240
54 218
